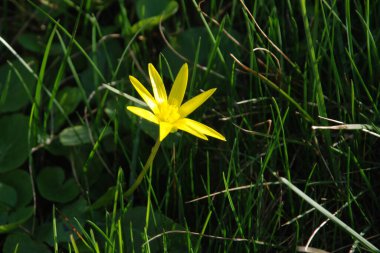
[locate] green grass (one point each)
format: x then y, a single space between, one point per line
297 100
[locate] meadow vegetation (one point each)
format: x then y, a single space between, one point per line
297 100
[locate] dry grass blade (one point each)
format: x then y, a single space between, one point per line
209 236
310 250
363 127
266 36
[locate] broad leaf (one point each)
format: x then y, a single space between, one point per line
19 180
35 43
149 8
74 136
24 244
16 86
13 141
52 185
147 23
78 135
14 219
8 197
68 98
186 43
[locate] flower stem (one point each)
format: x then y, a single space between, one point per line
147 165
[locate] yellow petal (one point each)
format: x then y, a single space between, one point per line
201 128
179 87
182 125
195 102
144 94
143 113
157 84
165 129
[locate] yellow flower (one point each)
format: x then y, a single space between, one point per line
169 112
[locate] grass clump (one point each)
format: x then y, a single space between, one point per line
297 102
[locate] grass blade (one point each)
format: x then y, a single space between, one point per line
329 215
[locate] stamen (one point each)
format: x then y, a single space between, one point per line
168 113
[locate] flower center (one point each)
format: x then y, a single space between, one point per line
168 113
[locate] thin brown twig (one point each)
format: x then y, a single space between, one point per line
209 236
266 36
235 41
231 190
224 30
68 222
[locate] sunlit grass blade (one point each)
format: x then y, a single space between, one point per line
328 214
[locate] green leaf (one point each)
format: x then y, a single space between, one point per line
14 219
105 199
13 141
69 98
8 196
12 211
149 8
52 186
78 135
20 181
74 136
150 22
16 86
36 43
24 244
186 43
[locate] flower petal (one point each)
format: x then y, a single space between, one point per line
157 84
200 128
179 87
182 125
195 102
144 94
143 113
165 129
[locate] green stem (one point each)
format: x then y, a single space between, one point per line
313 62
147 165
